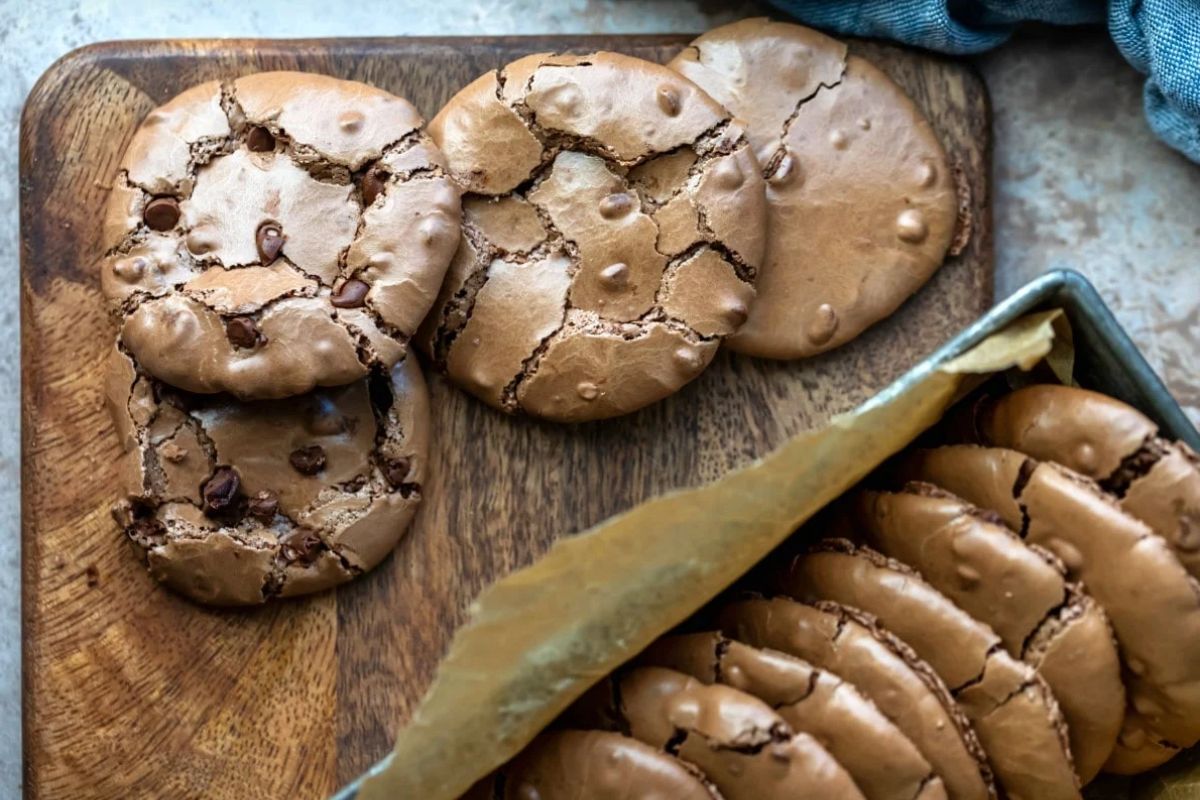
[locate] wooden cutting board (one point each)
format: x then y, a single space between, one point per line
133 692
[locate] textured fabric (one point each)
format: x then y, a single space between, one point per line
1160 38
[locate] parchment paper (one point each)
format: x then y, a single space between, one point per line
538 638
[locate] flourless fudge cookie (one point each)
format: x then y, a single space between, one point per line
233 503
276 233
613 225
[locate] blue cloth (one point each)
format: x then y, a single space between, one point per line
1160 38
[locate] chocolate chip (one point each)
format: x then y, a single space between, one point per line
242 332
162 213
269 240
308 460
372 185
396 470
221 490
301 546
352 294
260 140
264 505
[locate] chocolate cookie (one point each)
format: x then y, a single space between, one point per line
1130 572
1020 592
1111 442
275 233
613 227
852 646
743 746
1016 716
605 765
861 202
233 503
883 762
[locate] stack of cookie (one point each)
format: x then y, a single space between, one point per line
272 244
1017 614
573 240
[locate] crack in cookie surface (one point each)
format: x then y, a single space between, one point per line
509 322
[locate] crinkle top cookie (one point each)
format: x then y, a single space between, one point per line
613 226
235 502
275 233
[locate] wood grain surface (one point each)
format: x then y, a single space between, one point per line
131 691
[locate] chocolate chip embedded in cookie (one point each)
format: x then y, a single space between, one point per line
233 503
613 227
276 233
861 201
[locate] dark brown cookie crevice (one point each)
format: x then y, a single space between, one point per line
1135 465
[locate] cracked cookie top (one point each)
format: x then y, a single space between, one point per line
276 233
234 502
613 227
861 201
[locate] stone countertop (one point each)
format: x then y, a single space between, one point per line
1080 182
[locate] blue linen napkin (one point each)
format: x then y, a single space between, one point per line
1160 38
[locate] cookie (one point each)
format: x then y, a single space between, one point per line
737 741
883 762
613 226
862 205
276 233
1131 573
1016 716
1111 442
234 503
1017 590
884 669
610 766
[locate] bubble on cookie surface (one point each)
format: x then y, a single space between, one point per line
351 121
927 174
728 174
614 276
736 313
587 390
688 358
131 270
668 99
838 139
823 324
616 205
911 227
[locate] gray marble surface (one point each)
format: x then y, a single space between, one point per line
1080 181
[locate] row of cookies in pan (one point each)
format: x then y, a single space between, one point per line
926 647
